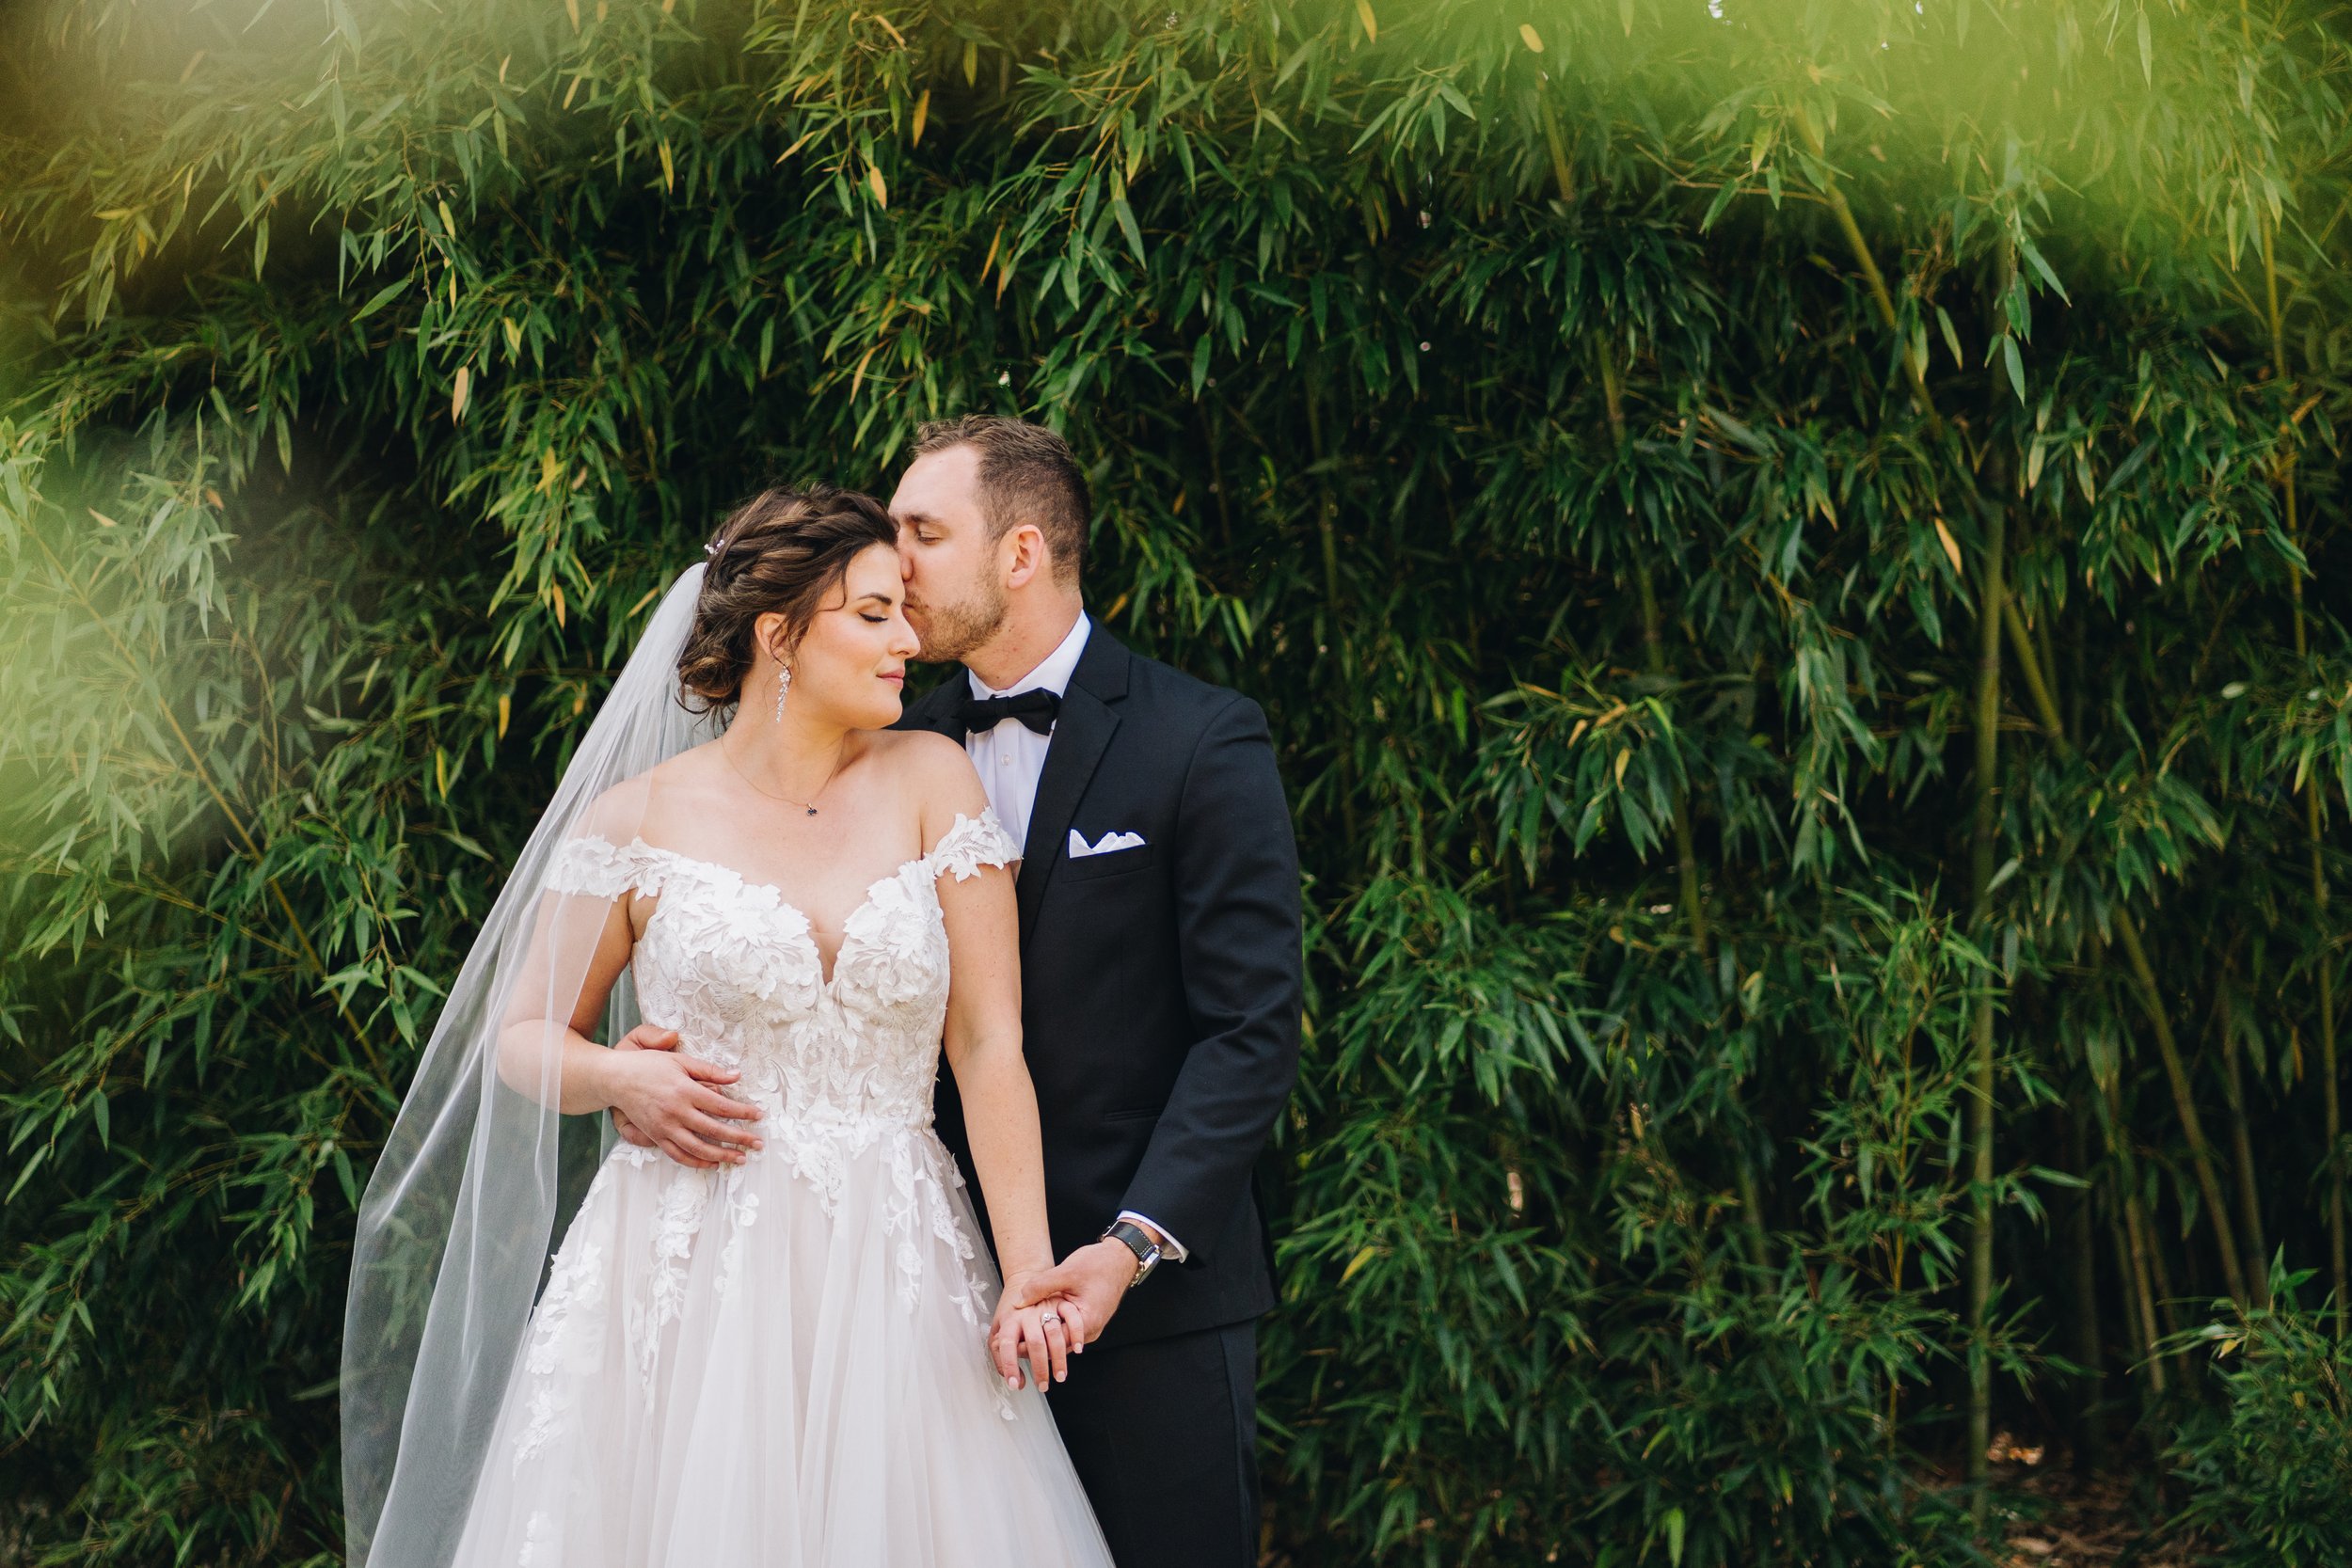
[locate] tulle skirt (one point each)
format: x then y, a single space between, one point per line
780 1364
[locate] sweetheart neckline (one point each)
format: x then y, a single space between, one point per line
808 926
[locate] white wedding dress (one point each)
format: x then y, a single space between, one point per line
780 1363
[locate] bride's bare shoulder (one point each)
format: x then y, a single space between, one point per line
916 749
924 760
934 772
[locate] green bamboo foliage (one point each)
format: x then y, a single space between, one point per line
1794 549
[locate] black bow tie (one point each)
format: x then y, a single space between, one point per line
1034 707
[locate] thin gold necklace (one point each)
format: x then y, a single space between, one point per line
807 806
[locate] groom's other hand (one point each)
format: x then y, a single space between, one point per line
670 1104
1096 1276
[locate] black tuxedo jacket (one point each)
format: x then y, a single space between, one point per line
1160 985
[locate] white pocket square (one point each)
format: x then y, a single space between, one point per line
1080 848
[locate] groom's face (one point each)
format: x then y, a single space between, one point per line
949 554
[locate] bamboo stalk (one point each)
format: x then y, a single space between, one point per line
1563 177
2330 1097
2136 1227
1877 280
1693 902
2165 1294
2184 1104
2154 1281
2248 1194
2129 1226
2137 1315
2090 1353
2331 1100
2037 683
1984 848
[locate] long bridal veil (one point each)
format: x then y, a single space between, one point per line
458 1219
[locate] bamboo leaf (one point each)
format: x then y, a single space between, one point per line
1952 548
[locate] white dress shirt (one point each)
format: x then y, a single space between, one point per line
1010 758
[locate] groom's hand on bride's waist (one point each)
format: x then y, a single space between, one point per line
663 1099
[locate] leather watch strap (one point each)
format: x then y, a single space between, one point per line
1138 1241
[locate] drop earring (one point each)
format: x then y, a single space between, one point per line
783 684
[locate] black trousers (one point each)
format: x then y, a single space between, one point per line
1165 1436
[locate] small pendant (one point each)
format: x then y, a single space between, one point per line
812 811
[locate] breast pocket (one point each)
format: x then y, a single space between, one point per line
1113 863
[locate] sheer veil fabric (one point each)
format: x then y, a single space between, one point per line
454 1228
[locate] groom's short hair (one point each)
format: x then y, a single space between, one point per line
1027 475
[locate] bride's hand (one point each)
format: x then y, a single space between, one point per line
670 1098
1045 1327
1093 1279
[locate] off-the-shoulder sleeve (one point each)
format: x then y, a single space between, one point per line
971 844
594 868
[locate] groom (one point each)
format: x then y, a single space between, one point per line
1160 958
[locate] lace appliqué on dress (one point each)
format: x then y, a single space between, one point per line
742 1212
539 1550
565 1327
971 843
596 869
677 1222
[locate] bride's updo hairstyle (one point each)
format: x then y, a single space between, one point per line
779 553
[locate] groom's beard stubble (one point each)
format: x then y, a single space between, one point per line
953 630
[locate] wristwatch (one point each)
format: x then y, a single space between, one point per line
1138 1241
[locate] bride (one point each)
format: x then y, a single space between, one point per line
773 1339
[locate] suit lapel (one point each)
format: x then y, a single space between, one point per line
1082 732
